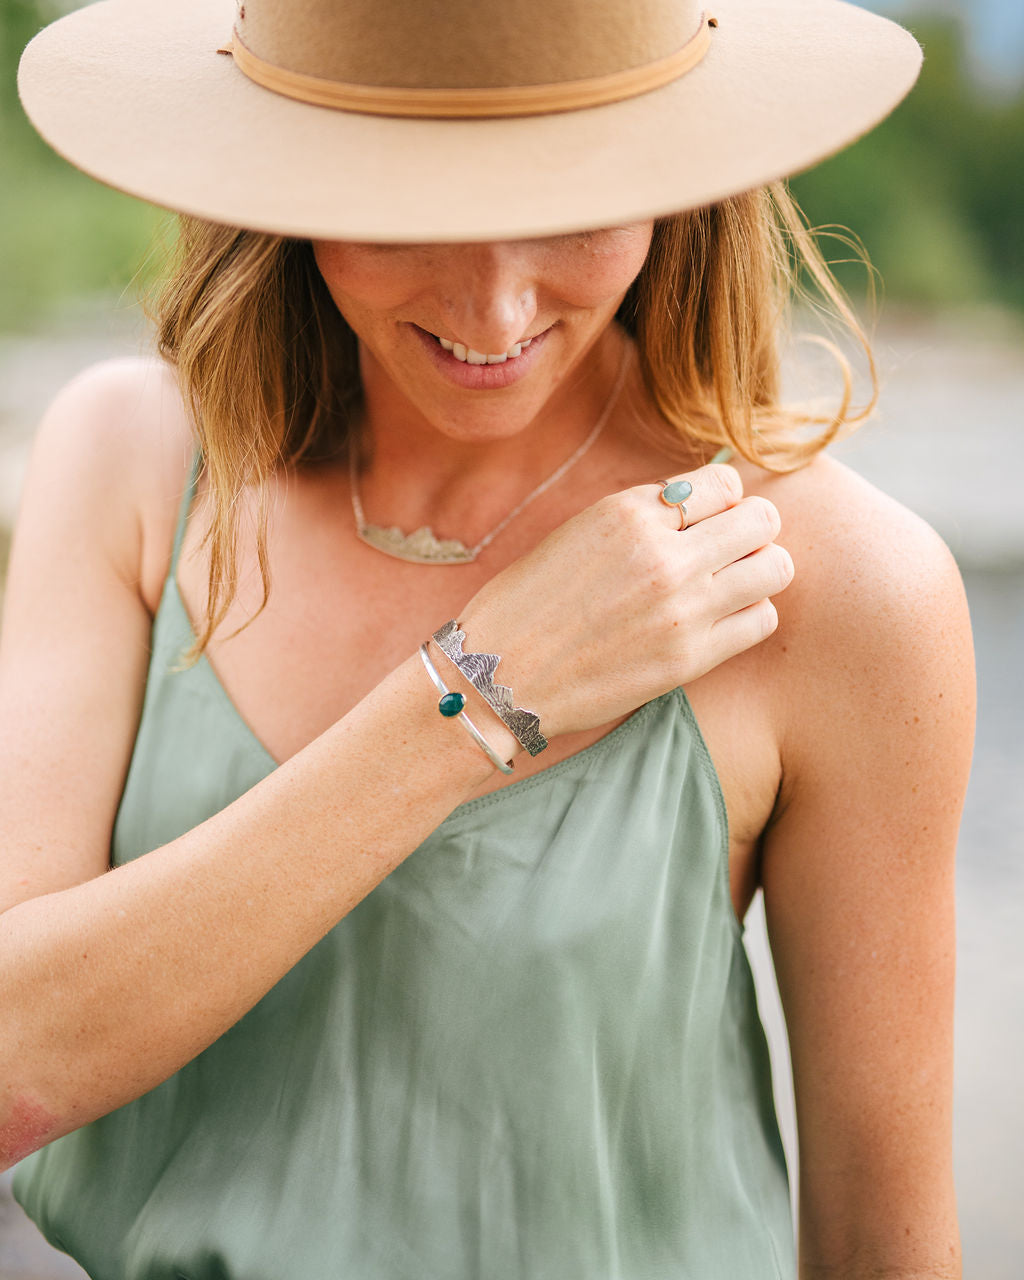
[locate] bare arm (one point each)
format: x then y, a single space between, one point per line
111 980
858 882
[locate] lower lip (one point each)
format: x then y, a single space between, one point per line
480 377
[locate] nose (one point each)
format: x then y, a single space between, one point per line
489 294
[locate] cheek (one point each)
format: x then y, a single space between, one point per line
362 276
606 264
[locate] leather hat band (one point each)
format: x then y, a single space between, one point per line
513 100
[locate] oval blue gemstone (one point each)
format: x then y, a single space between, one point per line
677 491
451 704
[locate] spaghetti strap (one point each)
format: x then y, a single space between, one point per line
186 506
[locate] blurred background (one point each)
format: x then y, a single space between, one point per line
936 194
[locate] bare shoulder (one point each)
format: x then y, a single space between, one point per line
874 632
115 444
116 408
870 574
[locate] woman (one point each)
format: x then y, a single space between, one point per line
349 1003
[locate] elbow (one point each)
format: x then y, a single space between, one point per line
25 1126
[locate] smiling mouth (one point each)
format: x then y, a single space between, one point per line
467 355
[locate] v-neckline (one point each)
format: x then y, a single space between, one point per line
515 788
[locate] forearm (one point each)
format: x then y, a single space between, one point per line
111 986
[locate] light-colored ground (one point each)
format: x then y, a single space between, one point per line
950 444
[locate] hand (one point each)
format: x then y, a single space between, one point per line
617 606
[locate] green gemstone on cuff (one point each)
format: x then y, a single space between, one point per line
451 704
677 491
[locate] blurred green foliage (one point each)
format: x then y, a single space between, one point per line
936 193
62 235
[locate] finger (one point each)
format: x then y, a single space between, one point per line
714 488
742 630
723 539
744 582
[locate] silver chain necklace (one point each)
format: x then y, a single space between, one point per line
424 547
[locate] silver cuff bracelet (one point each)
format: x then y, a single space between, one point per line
479 669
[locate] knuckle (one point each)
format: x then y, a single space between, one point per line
610 503
724 482
766 514
619 514
628 507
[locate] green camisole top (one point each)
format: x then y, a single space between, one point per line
532 1053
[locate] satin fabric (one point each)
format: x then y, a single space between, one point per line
532 1053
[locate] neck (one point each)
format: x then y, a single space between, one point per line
461 479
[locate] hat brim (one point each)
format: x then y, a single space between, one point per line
135 93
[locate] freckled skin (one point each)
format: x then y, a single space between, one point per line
29 1127
487 296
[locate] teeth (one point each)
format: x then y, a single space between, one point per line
467 355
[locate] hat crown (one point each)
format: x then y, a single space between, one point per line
464 44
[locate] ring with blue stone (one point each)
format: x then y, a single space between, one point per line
674 494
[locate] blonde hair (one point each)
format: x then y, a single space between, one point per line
269 368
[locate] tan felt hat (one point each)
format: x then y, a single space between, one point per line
449 120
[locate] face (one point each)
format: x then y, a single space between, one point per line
476 339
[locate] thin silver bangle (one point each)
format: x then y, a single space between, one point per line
467 724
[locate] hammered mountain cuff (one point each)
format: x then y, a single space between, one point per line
479 669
